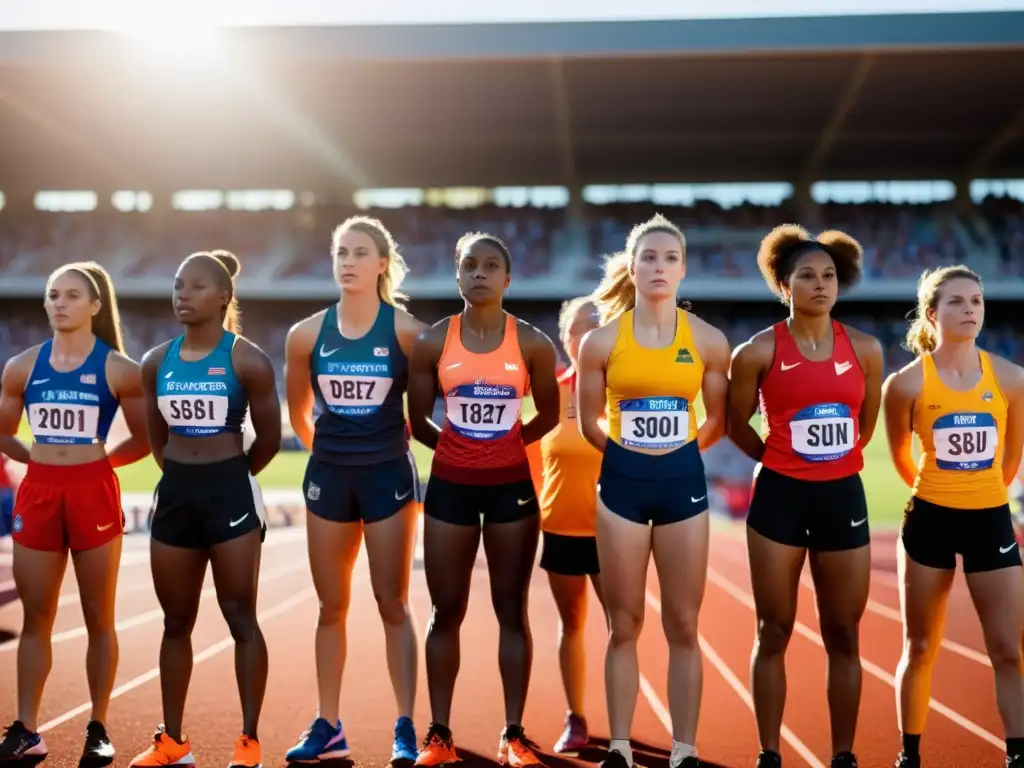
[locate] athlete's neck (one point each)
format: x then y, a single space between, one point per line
958 357
483 320
358 310
202 337
810 329
657 317
73 344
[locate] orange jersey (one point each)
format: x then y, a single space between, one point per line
481 442
568 471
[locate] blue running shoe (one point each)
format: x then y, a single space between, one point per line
321 741
403 749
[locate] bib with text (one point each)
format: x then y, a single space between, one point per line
354 389
195 414
59 423
655 422
823 432
965 441
482 411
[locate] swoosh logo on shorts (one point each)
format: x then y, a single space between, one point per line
103 527
524 502
399 497
1004 550
233 523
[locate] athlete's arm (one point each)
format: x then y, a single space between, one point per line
591 397
407 328
1011 381
749 361
869 354
422 385
155 424
256 374
12 388
542 363
714 350
298 346
125 379
898 395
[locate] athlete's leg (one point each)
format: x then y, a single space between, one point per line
842 580
681 558
923 595
178 575
998 597
389 548
96 571
624 550
333 548
37 576
511 553
570 593
236 568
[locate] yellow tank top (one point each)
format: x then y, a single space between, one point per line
961 435
570 467
651 392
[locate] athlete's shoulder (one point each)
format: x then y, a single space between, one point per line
530 336
756 352
154 358
705 333
907 382
1009 375
862 340
600 341
302 335
18 368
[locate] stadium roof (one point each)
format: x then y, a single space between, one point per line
676 101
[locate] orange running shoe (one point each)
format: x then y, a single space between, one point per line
515 749
438 748
247 754
164 751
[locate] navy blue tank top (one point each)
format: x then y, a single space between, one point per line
198 398
70 407
358 385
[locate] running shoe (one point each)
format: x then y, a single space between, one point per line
907 761
769 759
247 753
690 761
575 736
98 750
321 741
614 759
22 744
164 751
844 760
403 748
438 747
1015 761
515 749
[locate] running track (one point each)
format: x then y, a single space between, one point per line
963 728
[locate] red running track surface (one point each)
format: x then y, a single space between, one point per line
963 728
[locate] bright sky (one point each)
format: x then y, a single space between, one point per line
107 14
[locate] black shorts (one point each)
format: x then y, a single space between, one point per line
370 493
819 515
933 535
655 489
569 555
472 504
201 505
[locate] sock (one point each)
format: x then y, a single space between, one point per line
622 747
911 744
1015 746
680 751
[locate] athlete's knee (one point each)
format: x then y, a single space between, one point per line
178 625
1004 650
921 651
393 609
447 616
680 626
37 619
240 618
510 612
573 619
625 626
332 613
841 640
773 636
98 618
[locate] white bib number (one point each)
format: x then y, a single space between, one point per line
965 441
198 413
655 422
64 422
823 432
349 395
482 411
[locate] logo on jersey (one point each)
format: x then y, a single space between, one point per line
380 351
684 356
216 370
88 378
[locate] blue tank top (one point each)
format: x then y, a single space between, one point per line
199 398
358 386
73 407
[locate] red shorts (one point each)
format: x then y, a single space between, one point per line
76 507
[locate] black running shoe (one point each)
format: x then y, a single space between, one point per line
907 761
98 750
690 761
614 759
1015 761
769 759
22 744
844 760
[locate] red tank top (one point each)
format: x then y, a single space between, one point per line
481 442
810 411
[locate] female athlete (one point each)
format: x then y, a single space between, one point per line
646 365
207 506
567 472
966 406
351 361
819 384
71 387
483 360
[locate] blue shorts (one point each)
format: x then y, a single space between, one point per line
655 489
369 493
6 511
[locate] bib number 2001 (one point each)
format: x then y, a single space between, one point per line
65 420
